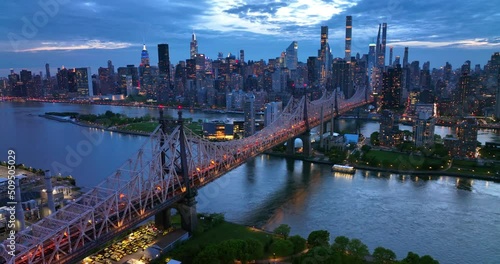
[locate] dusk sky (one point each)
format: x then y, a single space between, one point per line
88 33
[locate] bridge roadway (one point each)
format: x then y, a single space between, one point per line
152 181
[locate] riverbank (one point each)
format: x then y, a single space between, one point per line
396 171
72 121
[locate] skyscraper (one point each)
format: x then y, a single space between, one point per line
381 45
193 46
111 68
497 106
164 61
386 135
348 36
242 57
467 137
291 59
405 58
144 56
390 56
84 81
47 71
384 41
324 57
423 129
391 91
340 77
272 112
249 111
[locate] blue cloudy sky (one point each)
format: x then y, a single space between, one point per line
88 33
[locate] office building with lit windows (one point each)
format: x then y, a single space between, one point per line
423 129
84 81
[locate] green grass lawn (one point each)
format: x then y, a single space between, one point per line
225 231
147 127
403 161
195 127
471 167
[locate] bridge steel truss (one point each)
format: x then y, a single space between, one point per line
142 187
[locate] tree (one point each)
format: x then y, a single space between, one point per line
299 243
255 249
318 238
228 251
428 260
366 148
411 258
283 230
340 244
374 139
357 249
281 247
384 255
209 254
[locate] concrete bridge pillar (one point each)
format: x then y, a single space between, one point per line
189 217
290 146
162 219
306 143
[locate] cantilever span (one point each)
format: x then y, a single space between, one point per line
152 180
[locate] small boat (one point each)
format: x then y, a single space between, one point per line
343 168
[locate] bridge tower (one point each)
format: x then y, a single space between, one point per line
335 115
306 137
186 207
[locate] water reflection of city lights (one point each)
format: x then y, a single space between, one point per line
343 175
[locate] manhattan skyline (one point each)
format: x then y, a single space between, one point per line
90 33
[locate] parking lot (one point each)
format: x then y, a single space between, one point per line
131 247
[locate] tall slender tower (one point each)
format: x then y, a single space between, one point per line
390 55
144 56
377 47
324 56
47 71
405 58
384 41
348 36
193 47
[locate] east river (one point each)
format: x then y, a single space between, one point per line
453 220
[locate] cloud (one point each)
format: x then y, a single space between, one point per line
465 43
77 45
268 17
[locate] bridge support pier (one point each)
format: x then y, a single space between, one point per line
290 146
162 219
189 217
306 144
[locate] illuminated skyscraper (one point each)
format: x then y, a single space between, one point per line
340 77
324 57
348 36
84 82
381 45
467 137
423 129
144 56
391 91
384 40
386 132
249 111
291 56
193 46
